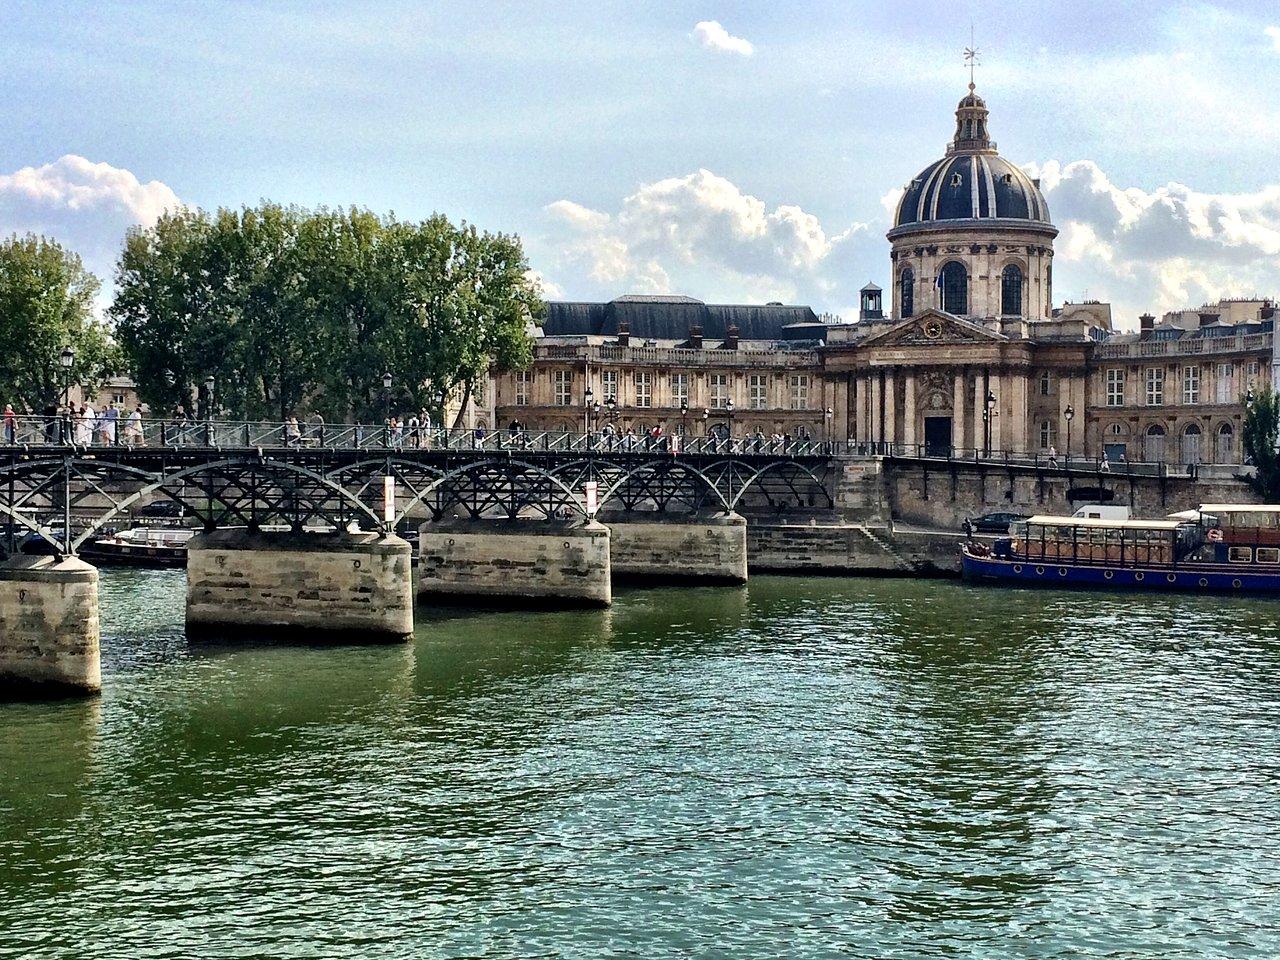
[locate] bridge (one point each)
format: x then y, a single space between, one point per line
306 529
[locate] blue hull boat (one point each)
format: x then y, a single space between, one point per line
1202 577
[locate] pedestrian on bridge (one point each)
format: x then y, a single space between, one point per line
133 429
10 424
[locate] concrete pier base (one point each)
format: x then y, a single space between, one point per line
537 562
48 628
708 548
332 586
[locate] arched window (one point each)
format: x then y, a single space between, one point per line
955 288
907 293
1011 291
1153 444
1226 445
1191 444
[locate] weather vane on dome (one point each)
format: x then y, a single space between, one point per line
971 57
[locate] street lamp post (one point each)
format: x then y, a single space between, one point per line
1069 414
729 408
684 415
65 360
827 416
209 384
988 411
386 409
588 399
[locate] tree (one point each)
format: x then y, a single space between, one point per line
1261 434
293 310
46 305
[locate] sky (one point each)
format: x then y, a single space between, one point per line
729 151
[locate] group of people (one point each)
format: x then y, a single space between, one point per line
80 424
413 431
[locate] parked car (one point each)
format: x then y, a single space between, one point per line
993 522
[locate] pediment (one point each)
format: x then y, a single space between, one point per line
931 327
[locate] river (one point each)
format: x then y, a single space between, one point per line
801 767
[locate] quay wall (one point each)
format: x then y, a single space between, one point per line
702 548
941 495
48 627
515 562
851 549
343 586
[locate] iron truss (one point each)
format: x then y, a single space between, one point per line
70 498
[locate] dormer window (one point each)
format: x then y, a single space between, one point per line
956 180
1007 177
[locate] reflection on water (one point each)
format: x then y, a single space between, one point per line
798 767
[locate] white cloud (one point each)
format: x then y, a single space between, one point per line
715 37
1159 249
700 234
1274 34
84 205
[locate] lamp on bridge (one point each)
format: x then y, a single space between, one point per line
684 416
65 360
729 407
826 429
1069 414
588 397
386 398
988 411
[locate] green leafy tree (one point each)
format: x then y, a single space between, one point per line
294 310
46 305
1261 433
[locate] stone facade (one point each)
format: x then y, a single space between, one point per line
970 359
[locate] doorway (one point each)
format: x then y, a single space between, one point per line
937 436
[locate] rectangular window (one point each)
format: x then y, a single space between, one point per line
564 388
1224 386
1155 386
1115 388
799 391
608 385
1190 384
679 388
719 390
523 378
1267 555
1240 554
757 387
644 388
1046 384
1253 370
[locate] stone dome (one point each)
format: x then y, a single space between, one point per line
972 182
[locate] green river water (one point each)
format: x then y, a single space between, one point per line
798 768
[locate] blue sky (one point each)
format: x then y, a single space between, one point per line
730 151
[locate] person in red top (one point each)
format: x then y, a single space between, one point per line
10 424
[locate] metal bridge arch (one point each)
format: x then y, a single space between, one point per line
666 467
756 477
513 470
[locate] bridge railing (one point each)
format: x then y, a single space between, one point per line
58 431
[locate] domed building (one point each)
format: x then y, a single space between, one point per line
972 234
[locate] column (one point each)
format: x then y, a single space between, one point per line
1000 412
1018 421
1078 425
890 405
876 432
909 411
958 411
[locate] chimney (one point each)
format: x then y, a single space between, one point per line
624 333
695 336
731 337
1146 322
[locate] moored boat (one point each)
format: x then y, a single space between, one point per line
140 547
1217 547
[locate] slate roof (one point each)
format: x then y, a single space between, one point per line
670 318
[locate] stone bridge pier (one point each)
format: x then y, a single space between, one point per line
698 548
48 627
515 561
324 586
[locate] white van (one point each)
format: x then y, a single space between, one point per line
1100 511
